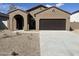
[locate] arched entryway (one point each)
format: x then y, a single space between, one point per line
31 22
19 22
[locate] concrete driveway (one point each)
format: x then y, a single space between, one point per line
59 43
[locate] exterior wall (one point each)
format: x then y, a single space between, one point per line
74 17
12 22
53 13
3 23
75 25
37 10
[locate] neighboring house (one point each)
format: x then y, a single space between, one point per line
3 21
74 20
39 18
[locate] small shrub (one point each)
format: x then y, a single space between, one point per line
5 36
17 33
71 29
14 54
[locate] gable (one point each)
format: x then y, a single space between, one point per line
17 10
36 7
36 11
53 12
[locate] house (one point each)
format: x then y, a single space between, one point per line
3 21
74 20
39 18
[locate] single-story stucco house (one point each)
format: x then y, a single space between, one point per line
39 18
3 21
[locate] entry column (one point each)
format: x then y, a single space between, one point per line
25 23
68 23
37 24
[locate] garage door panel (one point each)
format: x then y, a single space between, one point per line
52 24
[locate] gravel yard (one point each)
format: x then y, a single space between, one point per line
19 43
44 43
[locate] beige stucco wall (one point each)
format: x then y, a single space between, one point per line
74 25
12 21
36 10
53 13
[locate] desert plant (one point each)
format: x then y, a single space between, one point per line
5 36
14 53
17 33
71 29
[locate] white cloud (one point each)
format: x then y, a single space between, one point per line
59 4
20 7
48 5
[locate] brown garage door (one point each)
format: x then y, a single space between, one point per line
52 24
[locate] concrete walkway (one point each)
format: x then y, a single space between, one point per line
59 43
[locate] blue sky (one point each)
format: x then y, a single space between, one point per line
70 7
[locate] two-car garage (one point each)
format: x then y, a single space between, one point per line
52 24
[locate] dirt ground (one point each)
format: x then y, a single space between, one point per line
76 31
16 43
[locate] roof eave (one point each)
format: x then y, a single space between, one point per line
16 10
53 7
35 8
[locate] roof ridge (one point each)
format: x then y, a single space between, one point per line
35 7
53 7
15 10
